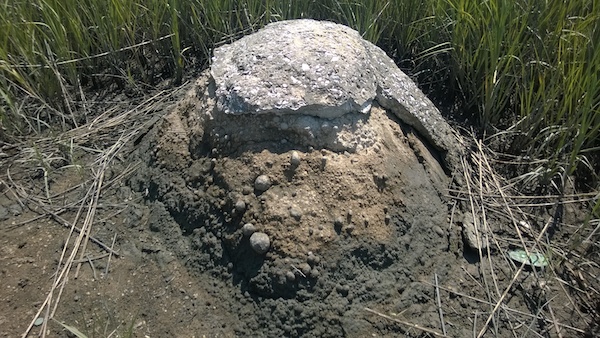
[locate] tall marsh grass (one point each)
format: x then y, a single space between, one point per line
522 66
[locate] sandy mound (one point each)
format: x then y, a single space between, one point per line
313 211
336 218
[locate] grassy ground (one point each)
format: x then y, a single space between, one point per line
524 73
529 68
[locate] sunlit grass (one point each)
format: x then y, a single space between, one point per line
531 62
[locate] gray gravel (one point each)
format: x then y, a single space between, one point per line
260 242
248 229
262 183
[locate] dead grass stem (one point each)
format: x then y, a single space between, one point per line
484 190
100 130
507 308
406 323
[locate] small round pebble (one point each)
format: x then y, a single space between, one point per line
296 213
240 206
290 276
260 242
262 183
438 230
248 229
295 159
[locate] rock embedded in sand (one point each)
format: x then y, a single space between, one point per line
248 229
472 232
295 159
240 206
260 242
296 213
262 183
352 146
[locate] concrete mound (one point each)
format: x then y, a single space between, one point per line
304 168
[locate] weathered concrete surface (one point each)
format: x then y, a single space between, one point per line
398 93
321 69
302 67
